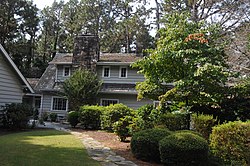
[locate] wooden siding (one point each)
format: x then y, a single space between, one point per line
59 74
47 102
11 90
129 100
132 75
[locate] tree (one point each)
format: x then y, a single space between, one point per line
81 89
187 57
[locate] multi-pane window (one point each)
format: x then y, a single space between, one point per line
106 72
59 104
123 72
66 71
107 102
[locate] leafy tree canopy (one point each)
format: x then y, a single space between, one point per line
187 56
81 88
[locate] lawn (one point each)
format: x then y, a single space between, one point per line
43 148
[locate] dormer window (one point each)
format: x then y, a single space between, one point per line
123 72
106 71
66 71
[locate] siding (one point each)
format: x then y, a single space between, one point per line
11 90
126 99
132 75
59 73
46 104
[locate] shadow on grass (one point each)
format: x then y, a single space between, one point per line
43 148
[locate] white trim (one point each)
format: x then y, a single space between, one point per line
51 105
103 69
156 103
64 71
120 71
101 100
16 69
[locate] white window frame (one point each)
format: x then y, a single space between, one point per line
64 71
52 99
103 70
120 71
156 103
117 100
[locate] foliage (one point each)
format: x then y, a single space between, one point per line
73 118
183 148
81 88
112 114
145 143
187 56
121 127
203 124
90 116
53 117
44 116
175 121
16 115
28 148
229 142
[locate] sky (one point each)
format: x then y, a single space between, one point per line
42 3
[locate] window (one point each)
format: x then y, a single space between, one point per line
156 104
59 104
123 72
106 71
107 102
66 71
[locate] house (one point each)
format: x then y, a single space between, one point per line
114 69
13 85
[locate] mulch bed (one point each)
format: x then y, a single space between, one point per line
121 148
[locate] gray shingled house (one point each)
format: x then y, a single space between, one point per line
113 69
13 86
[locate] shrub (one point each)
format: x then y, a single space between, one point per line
112 114
53 116
121 127
203 124
183 148
175 121
44 116
145 143
90 116
16 115
73 118
229 142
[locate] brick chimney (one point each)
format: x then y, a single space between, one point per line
86 52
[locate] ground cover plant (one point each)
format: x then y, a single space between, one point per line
43 147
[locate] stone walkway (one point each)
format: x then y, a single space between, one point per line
95 149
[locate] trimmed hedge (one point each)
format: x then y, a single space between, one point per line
113 113
183 148
73 118
90 116
230 142
203 124
145 143
175 121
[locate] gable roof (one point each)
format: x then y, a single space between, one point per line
12 64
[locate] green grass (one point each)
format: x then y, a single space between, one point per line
43 148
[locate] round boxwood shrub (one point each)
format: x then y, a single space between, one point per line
230 142
145 143
53 116
183 148
73 118
90 116
121 127
113 113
